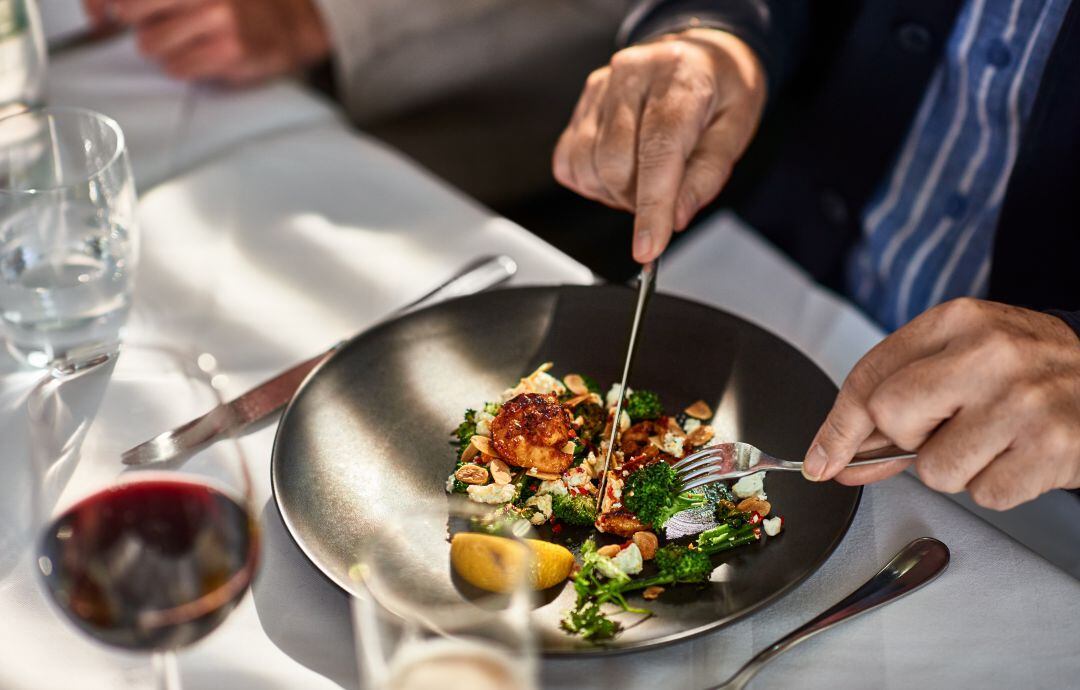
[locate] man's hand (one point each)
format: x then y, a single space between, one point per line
987 394
658 130
235 41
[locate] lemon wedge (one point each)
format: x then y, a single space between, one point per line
495 563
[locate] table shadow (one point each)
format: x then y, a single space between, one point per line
303 613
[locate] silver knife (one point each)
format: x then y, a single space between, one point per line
646 284
270 396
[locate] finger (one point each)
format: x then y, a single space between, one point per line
1008 480
964 446
582 159
98 11
868 474
615 153
854 476
174 33
569 140
707 171
207 60
136 11
849 423
671 125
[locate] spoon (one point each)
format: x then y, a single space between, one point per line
917 564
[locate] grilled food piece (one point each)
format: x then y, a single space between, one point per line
621 522
532 430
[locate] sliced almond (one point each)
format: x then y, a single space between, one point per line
569 447
546 476
470 452
578 421
674 427
576 400
484 445
655 440
700 410
576 384
500 471
755 505
647 544
652 592
700 436
472 474
611 550
595 398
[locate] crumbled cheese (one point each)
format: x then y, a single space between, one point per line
542 508
555 487
483 423
492 493
691 425
750 485
591 464
612 397
576 476
673 444
624 421
772 525
450 483
629 560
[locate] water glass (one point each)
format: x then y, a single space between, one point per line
23 59
68 239
419 625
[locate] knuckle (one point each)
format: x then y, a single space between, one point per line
596 78
1060 442
937 475
659 145
993 494
1030 397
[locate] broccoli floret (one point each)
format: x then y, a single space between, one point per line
590 623
465 431
492 408
574 510
643 405
593 418
652 494
683 564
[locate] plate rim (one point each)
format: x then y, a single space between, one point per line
598 650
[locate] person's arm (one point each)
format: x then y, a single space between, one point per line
773 29
1071 318
393 55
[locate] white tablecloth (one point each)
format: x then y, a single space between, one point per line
282 245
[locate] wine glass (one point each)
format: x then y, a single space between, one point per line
420 624
147 559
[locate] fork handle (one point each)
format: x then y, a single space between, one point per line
886 454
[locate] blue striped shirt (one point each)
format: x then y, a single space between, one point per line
928 231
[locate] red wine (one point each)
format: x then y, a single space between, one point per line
153 564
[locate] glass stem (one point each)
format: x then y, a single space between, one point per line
165 670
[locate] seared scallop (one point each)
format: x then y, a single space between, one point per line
532 430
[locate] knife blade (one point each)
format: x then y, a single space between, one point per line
646 285
271 395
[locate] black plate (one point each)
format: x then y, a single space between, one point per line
368 432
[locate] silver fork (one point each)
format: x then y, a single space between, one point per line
733 460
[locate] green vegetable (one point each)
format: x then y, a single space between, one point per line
643 405
724 537
676 564
501 521
593 419
574 510
652 494
465 431
590 383
492 408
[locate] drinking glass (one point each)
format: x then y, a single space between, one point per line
140 559
68 239
419 625
22 56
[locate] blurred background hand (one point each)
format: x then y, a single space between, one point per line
658 130
234 41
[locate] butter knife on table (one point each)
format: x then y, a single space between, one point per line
270 396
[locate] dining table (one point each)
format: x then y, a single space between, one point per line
271 229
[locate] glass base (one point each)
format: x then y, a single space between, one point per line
68 360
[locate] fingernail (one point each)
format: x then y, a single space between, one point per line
815 463
642 244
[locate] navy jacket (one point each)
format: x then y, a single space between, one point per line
845 80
